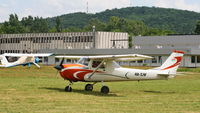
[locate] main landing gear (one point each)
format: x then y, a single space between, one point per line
89 87
104 89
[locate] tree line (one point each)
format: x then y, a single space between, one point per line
114 24
179 21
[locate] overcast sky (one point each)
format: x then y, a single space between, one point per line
50 8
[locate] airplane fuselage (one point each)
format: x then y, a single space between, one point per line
81 73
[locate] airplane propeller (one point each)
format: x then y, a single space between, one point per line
59 67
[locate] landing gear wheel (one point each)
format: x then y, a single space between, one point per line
68 89
88 87
105 89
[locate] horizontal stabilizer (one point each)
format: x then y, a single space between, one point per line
163 74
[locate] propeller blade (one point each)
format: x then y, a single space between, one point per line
60 67
62 62
36 64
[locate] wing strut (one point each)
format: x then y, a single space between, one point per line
96 69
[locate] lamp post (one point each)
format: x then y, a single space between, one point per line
93 30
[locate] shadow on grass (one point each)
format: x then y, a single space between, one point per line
161 92
95 93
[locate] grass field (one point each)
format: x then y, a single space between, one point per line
24 90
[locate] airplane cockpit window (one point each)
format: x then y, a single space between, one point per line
84 61
12 59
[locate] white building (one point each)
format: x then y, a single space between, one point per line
161 46
34 42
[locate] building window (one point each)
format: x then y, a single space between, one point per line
79 39
193 59
137 47
45 59
154 60
140 61
56 60
159 46
132 61
160 59
68 60
198 59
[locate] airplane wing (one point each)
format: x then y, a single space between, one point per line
126 57
31 54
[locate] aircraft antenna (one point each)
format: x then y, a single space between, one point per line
87 8
131 3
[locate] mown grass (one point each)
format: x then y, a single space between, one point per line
189 70
38 90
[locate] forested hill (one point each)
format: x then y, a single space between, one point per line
180 21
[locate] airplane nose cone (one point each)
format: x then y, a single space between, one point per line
58 67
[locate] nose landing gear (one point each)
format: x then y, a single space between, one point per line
69 88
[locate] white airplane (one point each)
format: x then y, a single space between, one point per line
15 59
105 69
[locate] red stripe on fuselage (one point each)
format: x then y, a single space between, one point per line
75 74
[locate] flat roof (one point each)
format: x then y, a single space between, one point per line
118 51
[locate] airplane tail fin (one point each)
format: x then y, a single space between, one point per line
4 60
172 63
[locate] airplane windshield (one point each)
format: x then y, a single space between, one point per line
84 61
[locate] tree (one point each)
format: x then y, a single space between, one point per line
39 25
113 24
133 27
52 30
72 29
197 30
1 31
157 32
58 24
13 25
99 26
27 22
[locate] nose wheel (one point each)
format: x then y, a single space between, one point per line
68 88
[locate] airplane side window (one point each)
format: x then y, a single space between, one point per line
96 63
12 59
